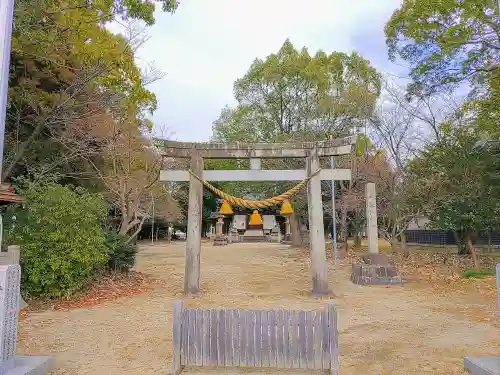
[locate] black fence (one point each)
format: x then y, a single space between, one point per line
441 237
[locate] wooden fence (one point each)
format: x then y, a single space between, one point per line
255 338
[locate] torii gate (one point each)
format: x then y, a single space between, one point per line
311 151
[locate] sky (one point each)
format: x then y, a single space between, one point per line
208 44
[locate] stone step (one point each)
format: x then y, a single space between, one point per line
482 365
254 239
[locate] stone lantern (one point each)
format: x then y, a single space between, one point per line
287 210
220 238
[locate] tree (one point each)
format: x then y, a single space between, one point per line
127 165
447 42
301 96
292 95
403 128
367 164
456 185
64 66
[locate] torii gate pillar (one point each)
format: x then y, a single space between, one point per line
193 235
319 268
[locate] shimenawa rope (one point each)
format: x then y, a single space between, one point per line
255 204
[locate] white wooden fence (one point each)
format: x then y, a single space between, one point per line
255 338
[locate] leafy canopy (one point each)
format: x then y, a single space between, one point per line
292 93
456 184
447 42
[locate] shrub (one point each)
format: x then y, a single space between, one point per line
121 255
59 230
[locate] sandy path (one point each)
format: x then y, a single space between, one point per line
398 330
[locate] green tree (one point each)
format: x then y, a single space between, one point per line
293 94
59 230
447 42
456 185
66 67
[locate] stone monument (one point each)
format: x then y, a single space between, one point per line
233 235
371 217
376 269
275 234
10 363
13 256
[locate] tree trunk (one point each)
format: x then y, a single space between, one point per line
404 246
357 240
295 230
490 241
462 248
343 226
473 252
394 243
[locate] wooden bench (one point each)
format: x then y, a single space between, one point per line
255 338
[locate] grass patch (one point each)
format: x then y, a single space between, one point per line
478 274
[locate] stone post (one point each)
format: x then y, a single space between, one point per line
371 217
316 228
14 252
10 282
169 233
287 228
193 246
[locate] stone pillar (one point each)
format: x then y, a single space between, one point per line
287 228
10 282
316 228
371 217
14 252
169 233
193 246
10 363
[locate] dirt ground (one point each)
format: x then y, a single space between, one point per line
414 329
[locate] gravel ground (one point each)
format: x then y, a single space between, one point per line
397 330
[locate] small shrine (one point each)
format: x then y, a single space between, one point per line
256 226
255 229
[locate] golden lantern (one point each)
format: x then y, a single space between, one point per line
225 208
286 208
255 218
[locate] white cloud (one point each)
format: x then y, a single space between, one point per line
207 45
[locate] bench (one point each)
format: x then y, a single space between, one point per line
255 338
